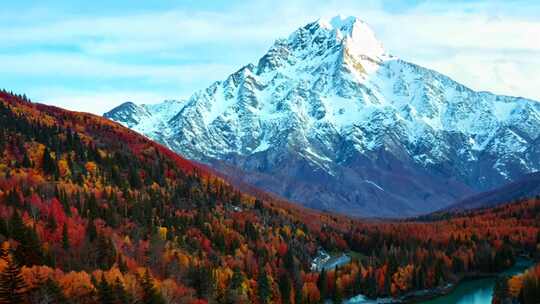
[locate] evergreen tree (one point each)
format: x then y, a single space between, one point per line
237 279
105 292
17 229
285 288
337 296
150 293
134 178
120 292
26 161
65 237
106 254
51 223
49 164
322 284
500 292
54 291
91 232
12 286
530 292
264 287
29 250
234 291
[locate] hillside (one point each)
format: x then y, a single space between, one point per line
525 187
91 212
329 119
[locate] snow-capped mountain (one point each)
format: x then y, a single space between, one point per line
329 119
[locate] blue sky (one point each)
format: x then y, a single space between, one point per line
92 56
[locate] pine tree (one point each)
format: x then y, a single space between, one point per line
285 288
29 251
264 287
54 291
150 293
237 279
91 232
322 285
26 161
120 293
65 237
12 285
17 229
337 296
51 223
134 178
106 254
49 165
105 292
500 292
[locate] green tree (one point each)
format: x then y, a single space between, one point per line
500 292
150 293
105 292
55 291
263 287
65 237
26 161
91 232
322 284
12 285
120 293
285 288
49 164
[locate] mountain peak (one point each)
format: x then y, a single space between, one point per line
356 34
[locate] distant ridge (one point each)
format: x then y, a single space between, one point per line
526 187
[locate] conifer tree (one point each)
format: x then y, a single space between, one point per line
285 288
322 284
105 292
150 293
26 161
54 292
65 237
120 293
263 287
91 232
12 285
49 165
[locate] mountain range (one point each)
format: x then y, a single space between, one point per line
329 119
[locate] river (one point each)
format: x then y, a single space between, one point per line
477 291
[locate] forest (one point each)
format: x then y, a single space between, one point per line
92 212
522 288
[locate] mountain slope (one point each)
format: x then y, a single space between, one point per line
329 119
525 187
94 213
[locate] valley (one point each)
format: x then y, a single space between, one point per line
93 212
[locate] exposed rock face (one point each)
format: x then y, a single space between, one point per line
328 119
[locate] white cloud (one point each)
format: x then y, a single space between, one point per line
96 102
485 45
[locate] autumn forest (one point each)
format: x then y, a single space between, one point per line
92 212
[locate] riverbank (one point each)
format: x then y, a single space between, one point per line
474 284
421 296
